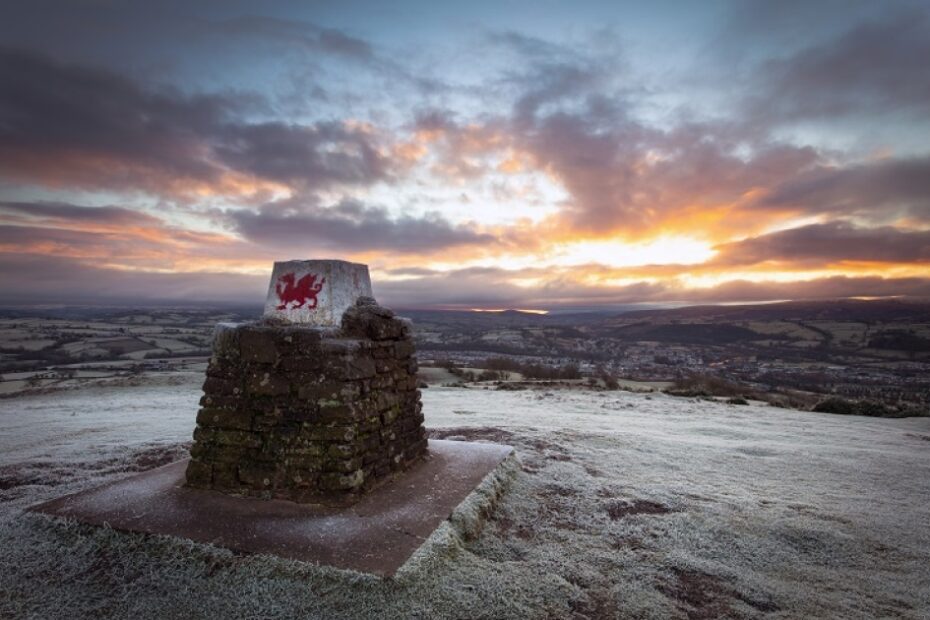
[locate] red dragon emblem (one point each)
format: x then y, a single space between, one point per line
304 291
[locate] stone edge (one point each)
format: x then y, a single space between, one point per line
466 521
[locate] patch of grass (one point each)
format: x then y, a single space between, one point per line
870 408
620 509
708 386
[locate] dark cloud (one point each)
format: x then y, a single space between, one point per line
306 35
883 189
545 76
66 212
153 246
63 124
350 227
817 289
551 84
412 271
434 120
112 235
492 288
878 66
821 244
49 109
92 245
318 44
577 120
629 178
40 279
310 156
132 238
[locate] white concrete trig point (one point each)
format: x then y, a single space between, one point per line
315 292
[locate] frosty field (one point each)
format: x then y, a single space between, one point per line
627 505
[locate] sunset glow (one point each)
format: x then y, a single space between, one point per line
569 160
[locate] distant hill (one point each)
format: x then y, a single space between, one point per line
836 310
506 318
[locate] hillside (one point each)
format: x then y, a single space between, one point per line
628 505
834 310
874 350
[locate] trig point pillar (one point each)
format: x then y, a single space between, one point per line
317 400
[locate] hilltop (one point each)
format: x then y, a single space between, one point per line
627 505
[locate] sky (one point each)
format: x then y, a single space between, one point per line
535 155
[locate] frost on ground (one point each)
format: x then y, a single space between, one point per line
626 505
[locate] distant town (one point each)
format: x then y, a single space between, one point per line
789 354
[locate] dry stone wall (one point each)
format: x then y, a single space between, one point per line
309 413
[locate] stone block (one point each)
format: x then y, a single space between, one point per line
370 424
318 392
204 435
225 418
334 411
226 341
342 482
389 415
344 466
237 438
220 402
403 349
199 474
226 477
359 368
315 292
267 383
221 386
307 342
232 454
257 477
305 462
336 348
342 450
345 434
303 478
301 365
257 344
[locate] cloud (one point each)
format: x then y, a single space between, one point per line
63 213
306 35
574 122
880 190
877 66
351 227
308 156
823 244
496 288
633 180
115 236
61 279
41 279
605 159
630 178
836 287
68 125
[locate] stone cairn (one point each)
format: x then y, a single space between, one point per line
317 401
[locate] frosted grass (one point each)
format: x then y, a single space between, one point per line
625 505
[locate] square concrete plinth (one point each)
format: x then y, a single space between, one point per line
375 535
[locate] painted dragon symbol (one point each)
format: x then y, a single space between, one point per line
303 291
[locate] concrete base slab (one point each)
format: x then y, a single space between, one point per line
375 535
